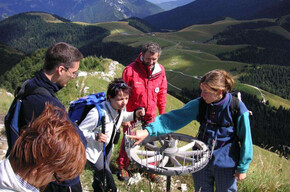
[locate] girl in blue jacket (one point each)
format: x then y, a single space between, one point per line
231 145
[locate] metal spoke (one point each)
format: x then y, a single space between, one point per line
168 158
145 152
175 162
164 161
153 159
189 153
188 146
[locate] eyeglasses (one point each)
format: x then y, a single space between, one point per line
56 177
73 74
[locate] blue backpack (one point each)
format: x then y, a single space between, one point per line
79 109
11 120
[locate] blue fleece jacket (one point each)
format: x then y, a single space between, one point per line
176 119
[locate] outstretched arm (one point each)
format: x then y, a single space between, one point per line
140 136
169 122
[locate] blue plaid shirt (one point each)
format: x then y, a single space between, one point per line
26 185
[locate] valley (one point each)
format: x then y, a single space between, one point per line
254 50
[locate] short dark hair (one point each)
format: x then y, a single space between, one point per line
115 86
61 53
152 48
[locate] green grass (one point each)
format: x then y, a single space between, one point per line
5 101
183 51
268 172
194 63
274 100
120 27
47 17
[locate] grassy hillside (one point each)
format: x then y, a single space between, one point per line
190 51
119 28
274 100
30 31
193 50
6 99
268 172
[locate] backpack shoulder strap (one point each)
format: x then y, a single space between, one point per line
35 91
235 108
22 91
201 110
100 109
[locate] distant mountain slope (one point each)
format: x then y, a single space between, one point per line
277 10
141 25
173 4
113 10
30 31
9 57
82 10
267 42
208 11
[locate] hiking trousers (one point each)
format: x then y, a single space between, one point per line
222 178
99 175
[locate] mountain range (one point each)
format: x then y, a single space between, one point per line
255 51
173 4
82 10
209 11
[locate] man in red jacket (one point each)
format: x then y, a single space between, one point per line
148 81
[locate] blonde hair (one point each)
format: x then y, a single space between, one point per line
218 80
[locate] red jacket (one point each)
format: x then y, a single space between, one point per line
149 89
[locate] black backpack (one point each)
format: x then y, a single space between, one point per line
11 120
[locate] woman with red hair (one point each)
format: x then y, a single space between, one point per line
48 150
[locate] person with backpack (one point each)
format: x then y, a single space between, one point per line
114 113
61 64
229 139
39 156
148 81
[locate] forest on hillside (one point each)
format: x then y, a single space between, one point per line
142 25
31 64
9 57
265 47
269 125
274 79
41 34
31 32
258 55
